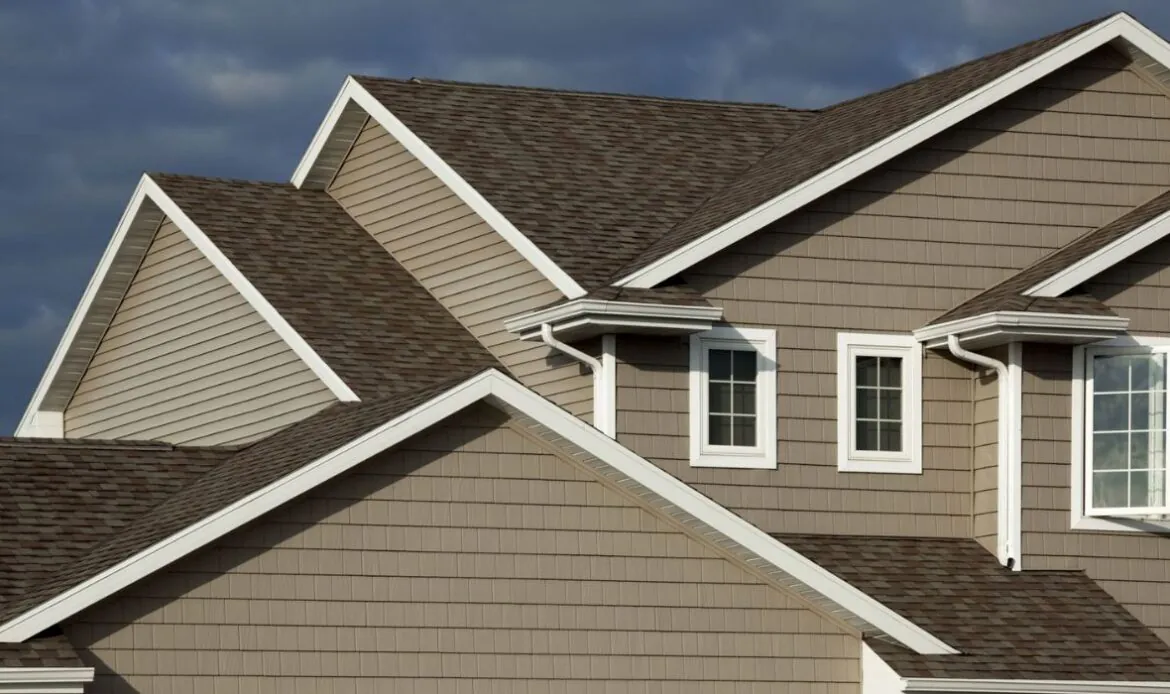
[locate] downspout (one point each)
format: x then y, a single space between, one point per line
603 418
1007 516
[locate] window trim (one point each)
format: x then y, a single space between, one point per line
849 347
763 343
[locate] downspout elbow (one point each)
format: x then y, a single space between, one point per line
603 380
546 336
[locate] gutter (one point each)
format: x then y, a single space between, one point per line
1008 453
604 381
974 686
45 680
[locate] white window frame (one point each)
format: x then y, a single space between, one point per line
763 343
908 461
1079 514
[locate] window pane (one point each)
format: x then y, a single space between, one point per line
867 403
1109 451
867 436
891 436
1139 488
1139 450
744 431
720 397
891 404
1110 373
1148 373
1110 412
1110 489
719 364
744 398
867 368
744 365
891 371
719 430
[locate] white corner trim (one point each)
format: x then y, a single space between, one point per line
877 677
45 680
973 686
1023 324
617 313
493 385
353 91
246 289
1117 26
762 456
605 399
909 460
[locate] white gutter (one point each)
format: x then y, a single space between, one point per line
45 680
972 686
1007 450
620 315
603 404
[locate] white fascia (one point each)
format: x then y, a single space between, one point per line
1001 327
495 387
930 685
355 92
623 315
45 680
1119 26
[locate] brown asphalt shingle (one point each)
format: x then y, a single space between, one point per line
1010 625
41 651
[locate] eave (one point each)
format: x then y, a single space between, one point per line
1001 327
45 680
584 318
974 686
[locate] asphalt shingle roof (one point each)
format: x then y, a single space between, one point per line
43 651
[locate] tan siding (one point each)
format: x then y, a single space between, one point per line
466 265
1139 289
469 560
888 253
187 360
985 396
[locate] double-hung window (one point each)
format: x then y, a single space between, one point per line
879 403
733 398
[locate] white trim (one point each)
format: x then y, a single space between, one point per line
43 424
763 454
1118 26
573 315
1000 327
605 397
973 686
849 347
877 677
497 387
45 680
1009 512
353 91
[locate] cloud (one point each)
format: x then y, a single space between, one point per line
44 326
233 81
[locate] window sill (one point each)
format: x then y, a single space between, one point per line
726 460
1120 525
880 465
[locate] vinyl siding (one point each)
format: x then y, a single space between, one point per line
888 253
458 258
470 559
188 361
985 470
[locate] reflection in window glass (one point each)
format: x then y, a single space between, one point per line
731 397
1128 431
879 403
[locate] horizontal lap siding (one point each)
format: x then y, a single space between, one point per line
888 253
187 360
469 560
458 258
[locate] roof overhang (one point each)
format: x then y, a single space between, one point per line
1002 327
45 680
584 318
1147 48
932 685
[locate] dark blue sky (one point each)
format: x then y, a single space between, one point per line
96 91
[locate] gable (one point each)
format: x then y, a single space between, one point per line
1136 289
474 553
186 359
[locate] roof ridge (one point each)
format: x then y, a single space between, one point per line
437 82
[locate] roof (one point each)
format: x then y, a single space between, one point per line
53 651
1006 624
1009 295
592 179
361 311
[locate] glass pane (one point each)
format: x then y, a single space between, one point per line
1110 412
1140 410
1157 449
745 431
744 365
1109 451
1148 373
891 404
720 397
1110 373
719 430
867 436
891 436
867 368
891 371
744 395
719 364
1139 489
867 403
1110 489
1139 450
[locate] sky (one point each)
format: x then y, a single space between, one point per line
94 92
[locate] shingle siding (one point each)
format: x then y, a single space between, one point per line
187 360
470 559
985 452
458 258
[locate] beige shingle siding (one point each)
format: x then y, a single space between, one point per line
469 560
187 360
985 451
462 261
887 253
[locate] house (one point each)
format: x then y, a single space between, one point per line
525 390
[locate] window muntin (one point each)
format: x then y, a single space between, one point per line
879 406
878 394
733 398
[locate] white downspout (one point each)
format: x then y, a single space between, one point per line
1007 514
603 418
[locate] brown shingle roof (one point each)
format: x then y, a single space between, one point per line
42 651
1008 295
1011 625
591 178
348 298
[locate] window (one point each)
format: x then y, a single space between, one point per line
733 398
879 403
